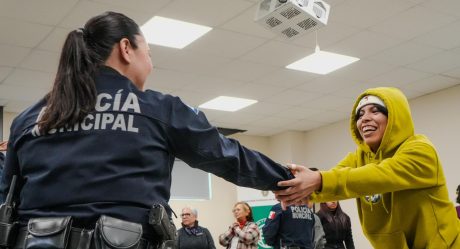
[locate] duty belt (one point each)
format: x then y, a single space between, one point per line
78 239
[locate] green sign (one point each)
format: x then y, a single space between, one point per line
260 214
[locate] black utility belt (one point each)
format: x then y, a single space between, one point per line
58 233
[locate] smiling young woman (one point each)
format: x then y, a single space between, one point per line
392 169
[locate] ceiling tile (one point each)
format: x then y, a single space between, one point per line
433 84
329 117
329 102
22 34
238 117
48 12
273 122
292 97
4 72
304 125
412 22
365 13
277 54
225 43
327 36
446 6
405 53
55 40
204 12
438 63
28 78
446 37
214 84
399 77
168 78
192 62
296 112
12 55
254 91
147 6
245 23
84 10
363 44
286 78
455 73
362 70
243 70
326 84
193 98
42 61
266 109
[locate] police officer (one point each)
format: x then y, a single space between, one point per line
292 228
99 144
2 158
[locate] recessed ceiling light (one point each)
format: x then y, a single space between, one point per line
229 104
172 33
322 62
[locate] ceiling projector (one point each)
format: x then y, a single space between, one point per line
292 18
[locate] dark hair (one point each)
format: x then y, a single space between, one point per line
74 92
250 217
458 194
324 211
380 108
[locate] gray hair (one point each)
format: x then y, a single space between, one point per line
194 211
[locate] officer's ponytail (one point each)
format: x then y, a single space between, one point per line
74 92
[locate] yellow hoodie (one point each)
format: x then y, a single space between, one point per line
401 190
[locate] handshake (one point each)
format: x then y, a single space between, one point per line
297 191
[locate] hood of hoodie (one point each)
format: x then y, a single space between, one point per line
399 127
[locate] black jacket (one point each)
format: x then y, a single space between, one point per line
118 160
201 240
335 235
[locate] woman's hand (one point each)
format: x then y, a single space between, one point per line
3 145
300 188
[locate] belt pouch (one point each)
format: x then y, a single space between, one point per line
8 233
48 233
112 233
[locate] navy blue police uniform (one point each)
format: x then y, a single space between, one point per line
293 227
2 163
118 160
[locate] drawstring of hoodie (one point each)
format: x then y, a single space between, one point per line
379 158
383 199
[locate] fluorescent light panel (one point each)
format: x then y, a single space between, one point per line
229 104
322 62
172 33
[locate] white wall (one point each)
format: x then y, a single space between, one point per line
7 120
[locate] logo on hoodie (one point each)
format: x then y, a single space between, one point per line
373 198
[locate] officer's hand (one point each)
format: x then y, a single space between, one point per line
300 188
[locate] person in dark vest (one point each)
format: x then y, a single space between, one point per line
97 151
191 235
290 228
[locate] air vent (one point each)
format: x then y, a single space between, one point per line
290 32
307 24
290 13
273 22
292 18
319 12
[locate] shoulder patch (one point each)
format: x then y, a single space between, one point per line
195 110
272 215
